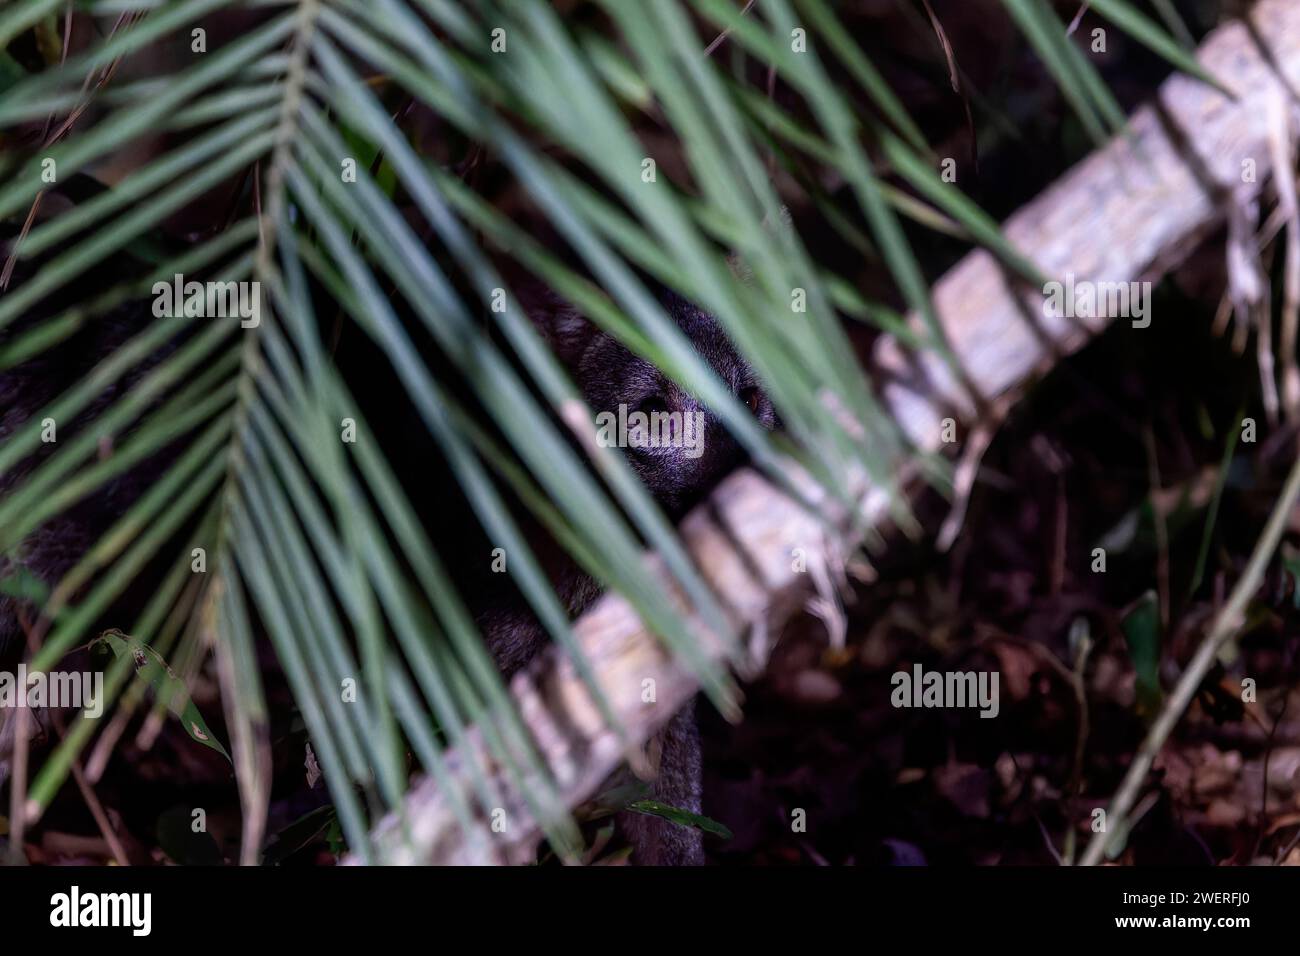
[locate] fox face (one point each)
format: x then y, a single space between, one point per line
688 448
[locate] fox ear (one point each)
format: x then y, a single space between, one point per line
563 327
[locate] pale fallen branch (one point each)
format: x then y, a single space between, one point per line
1129 212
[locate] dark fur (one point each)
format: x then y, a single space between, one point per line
52 550
608 374
25 391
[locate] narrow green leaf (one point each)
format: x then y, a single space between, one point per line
681 817
1141 626
1147 32
169 688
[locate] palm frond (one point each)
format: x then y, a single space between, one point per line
313 541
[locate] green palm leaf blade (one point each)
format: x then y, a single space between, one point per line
314 546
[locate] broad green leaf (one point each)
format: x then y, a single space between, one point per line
166 685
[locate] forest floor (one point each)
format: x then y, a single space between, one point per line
1134 446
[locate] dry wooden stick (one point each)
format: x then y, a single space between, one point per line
1129 212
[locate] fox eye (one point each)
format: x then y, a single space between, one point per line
652 404
752 397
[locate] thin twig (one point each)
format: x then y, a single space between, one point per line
1083 728
97 810
954 79
106 74
18 787
1161 526
1074 24
63 58
967 470
19 812
721 37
